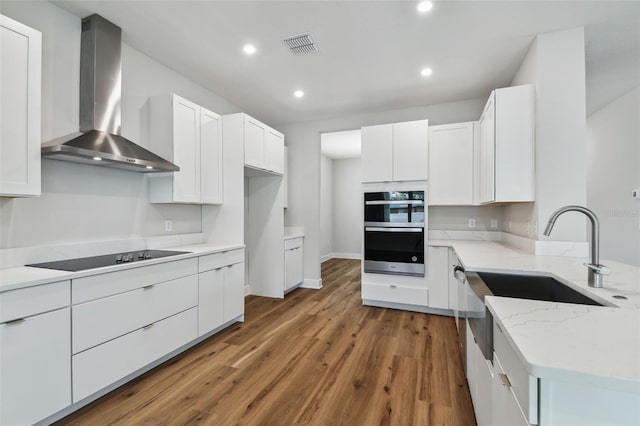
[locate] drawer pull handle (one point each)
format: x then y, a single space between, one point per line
393 286
505 380
147 287
148 326
15 321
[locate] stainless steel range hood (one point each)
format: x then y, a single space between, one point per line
99 142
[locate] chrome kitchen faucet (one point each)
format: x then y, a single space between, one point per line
596 270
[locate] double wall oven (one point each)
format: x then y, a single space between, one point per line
394 232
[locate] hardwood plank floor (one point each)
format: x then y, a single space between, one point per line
318 357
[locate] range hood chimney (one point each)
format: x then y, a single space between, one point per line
99 142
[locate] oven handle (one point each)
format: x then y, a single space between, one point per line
387 202
376 229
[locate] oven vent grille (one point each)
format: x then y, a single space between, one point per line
300 44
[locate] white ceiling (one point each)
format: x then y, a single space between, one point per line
371 52
341 145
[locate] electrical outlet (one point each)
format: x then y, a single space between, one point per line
472 223
509 225
635 193
494 223
168 225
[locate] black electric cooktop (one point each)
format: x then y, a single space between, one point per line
83 263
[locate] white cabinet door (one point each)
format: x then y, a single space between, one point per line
254 143
410 150
20 134
285 179
210 300
451 164
35 360
377 153
484 394
233 291
186 150
210 157
274 151
487 152
438 277
453 288
293 265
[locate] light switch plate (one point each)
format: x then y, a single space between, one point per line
635 193
168 225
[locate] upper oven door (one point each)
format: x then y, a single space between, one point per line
396 208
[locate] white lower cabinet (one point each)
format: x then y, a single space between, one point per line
438 277
36 373
220 289
480 379
35 353
293 262
103 365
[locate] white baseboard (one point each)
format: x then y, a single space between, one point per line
247 290
330 256
313 283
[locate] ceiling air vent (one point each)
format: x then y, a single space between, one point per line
300 44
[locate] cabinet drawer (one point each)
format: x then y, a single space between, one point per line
104 319
293 243
523 386
395 294
24 302
105 364
218 260
103 285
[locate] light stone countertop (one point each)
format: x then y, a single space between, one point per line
588 345
596 346
25 276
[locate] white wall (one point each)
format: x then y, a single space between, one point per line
326 207
303 141
347 207
85 203
613 164
555 64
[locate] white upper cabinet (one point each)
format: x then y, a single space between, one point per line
507 157
395 152
263 146
377 153
274 151
191 137
451 164
285 179
210 157
20 134
410 150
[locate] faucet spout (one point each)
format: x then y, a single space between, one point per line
596 270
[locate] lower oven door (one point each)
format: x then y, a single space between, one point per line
390 250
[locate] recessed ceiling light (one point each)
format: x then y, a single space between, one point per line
97 158
149 167
424 6
426 72
298 93
249 49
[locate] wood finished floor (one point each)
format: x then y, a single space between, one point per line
318 357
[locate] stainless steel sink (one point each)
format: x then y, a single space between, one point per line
533 287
